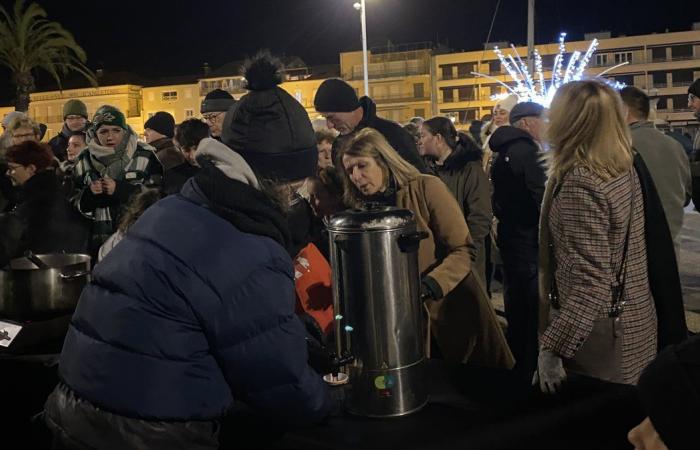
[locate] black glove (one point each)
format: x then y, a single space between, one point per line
321 357
430 289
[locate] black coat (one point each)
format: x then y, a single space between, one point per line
466 179
664 279
518 187
175 177
398 138
43 221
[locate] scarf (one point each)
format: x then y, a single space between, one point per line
245 207
112 161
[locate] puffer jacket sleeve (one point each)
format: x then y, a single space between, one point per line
584 279
449 229
260 346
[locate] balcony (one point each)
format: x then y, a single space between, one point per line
399 98
681 83
659 85
682 57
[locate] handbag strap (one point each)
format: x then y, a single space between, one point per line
618 292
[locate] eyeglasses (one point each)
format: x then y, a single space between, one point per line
211 116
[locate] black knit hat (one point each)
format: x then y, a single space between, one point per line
669 390
335 95
695 88
216 101
269 127
162 122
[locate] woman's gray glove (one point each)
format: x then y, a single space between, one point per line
550 372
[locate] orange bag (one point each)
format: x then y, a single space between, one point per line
312 275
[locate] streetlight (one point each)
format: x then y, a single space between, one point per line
360 6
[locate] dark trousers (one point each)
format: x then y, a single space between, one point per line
520 296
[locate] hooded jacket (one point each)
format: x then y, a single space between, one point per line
397 137
464 177
518 187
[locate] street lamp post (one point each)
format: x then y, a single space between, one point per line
363 18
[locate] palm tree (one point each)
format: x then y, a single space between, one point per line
29 41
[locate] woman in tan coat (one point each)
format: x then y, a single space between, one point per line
461 317
593 257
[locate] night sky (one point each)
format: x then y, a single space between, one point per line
157 38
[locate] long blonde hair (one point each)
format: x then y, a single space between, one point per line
368 142
587 128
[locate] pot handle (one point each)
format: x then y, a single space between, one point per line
73 276
409 242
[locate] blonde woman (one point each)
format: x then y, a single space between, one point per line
463 323
593 256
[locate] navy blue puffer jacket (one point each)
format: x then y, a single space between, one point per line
185 314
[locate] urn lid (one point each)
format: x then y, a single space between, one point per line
371 217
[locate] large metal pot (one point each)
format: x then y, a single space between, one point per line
379 320
28 292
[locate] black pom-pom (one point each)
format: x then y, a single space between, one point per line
263 71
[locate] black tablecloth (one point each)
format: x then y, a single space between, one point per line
470 408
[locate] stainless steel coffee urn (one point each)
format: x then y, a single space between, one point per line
379 316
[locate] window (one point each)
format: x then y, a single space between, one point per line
494 67
623 57
466 93
659 79
682 78
680 102
419 112
548 62
461 115
680 52
658 54
189 113
446 72
601 59
418 90
464 70
627 80
447 95
168 96
662 104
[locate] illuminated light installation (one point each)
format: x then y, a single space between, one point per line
533 87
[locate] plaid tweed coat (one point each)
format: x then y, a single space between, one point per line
586 223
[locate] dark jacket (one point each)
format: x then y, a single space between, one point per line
189 312
59 143
166 152
464 177
43 221
175 177
398 138
518 187
669 390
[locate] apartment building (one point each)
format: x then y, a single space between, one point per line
662 64
399 79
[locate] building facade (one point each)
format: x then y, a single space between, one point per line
413 80
663 65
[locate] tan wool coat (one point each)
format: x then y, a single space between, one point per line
463 321
586 223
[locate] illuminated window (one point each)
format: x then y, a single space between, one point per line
189 113
168 96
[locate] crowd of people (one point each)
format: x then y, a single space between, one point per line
196 229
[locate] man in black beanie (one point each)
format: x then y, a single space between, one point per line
694 104
159 130
213 109
338 103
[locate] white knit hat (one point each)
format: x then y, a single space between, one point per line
507 103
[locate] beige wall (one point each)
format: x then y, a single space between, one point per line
182 101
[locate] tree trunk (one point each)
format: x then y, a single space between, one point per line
25 84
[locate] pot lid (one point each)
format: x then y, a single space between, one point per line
371 217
